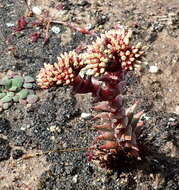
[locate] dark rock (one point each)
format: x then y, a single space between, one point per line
4 126
101 20
20 138
85 4
47 111
67 110
17 153
5 149
151 37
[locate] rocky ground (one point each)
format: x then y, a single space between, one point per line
55 120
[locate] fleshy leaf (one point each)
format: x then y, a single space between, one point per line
23 93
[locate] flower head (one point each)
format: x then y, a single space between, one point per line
109 53
112 51
62 72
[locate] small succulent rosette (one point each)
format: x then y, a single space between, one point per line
15 88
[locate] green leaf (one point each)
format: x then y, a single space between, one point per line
16 98
2 94
6 99
28 79
13 89
23 93
17 81
5 81
10 94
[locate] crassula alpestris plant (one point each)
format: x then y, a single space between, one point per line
101 71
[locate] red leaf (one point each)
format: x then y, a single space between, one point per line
21 24
34 36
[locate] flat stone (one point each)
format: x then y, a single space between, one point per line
153 69
32 98
85 115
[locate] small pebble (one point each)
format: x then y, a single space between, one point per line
52 138
153 69
11 74
52 128
85 115
31 91
10 24
177 109
25 127
75 178
21 101
171 119
55 29
17 153
32 98
144 117
6 105
89 26
36 10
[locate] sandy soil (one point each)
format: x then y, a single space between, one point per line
28 129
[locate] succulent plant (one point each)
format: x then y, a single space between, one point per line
101 71
110 52
117 133
62 72
13 88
